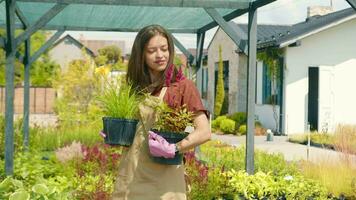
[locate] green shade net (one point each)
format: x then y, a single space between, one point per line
118 17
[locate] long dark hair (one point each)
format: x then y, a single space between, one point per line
137 72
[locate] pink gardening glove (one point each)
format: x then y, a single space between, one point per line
159 147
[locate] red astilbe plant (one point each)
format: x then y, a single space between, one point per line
171 72
98 166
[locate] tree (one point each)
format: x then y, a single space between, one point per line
76 87
220 91
42 71
110 56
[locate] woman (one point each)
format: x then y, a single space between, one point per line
139 177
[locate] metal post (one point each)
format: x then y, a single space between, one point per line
251 73
10 49
26 95
199 60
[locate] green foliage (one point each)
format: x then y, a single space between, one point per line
177 61
18 138
110 56
218 154
266 186
223 176
338 177
216 122
220 91
38 176
271 57
76 90
227 126
119 100
42 71
243 129
96 172
239 117
173 119
111 53
51 138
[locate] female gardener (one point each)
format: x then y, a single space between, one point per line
140 178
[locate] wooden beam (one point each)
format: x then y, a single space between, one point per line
251 88
235 36
40 23
232 4
2 42
45 46
199 49
261 3
10 49
180 46
22 17
352 3
26 95
109 29
227 17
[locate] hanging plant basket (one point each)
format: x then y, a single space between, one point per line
172 138
119 131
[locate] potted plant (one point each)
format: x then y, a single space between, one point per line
171 124
119 102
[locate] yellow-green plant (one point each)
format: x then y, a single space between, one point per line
220 91
119 101
76 88
339 177
173 119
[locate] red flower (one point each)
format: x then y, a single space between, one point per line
169 74
180 76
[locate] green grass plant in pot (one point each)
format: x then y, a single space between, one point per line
119 102
171 124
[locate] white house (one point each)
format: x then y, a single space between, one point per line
318 62
68 49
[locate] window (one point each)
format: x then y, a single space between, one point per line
205 83
272 90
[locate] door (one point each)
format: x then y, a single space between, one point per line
313 97
326 99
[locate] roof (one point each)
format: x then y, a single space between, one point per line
283 35
265 32
75 42
179 16
312 25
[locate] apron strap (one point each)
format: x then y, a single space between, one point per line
163 92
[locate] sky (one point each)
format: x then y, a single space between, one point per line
278 12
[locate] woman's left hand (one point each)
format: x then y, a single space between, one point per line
159 147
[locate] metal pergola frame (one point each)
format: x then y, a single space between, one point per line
11 43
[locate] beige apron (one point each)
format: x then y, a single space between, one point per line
139 177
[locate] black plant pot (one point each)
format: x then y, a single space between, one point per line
172 138
119 131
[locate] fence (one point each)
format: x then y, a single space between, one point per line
41 100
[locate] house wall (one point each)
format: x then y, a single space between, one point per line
345 97
329 47
237 72
65 52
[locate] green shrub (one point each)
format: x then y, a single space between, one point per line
18 135
227 126
216 122
239 117
243 129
